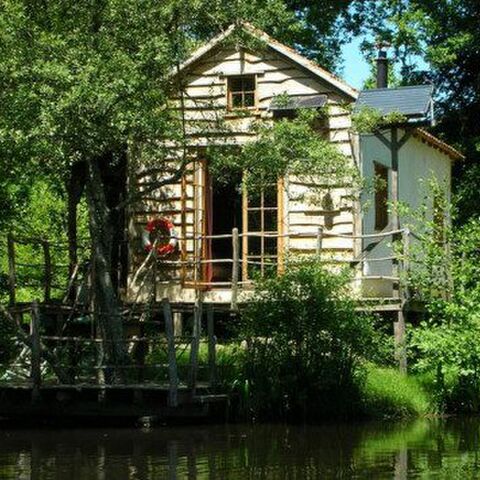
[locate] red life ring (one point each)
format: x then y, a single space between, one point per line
160 224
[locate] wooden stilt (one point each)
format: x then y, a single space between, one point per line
197 318
399 331
212 344
172 358
178 324
35 373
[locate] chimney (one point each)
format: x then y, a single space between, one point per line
382 68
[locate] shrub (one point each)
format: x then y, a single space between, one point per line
305 341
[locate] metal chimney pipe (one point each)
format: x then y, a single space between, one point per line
382 69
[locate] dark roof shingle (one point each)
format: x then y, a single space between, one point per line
413 102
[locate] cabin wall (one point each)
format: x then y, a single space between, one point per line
418 163
208 122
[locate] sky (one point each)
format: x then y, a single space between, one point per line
355 68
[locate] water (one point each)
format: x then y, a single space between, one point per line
427 448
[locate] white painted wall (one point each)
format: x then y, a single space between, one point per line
418 163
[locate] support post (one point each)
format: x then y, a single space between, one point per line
35 367
399 332
197 325
212 344
48 270
318 249
11 269
172 358
235 268
399 327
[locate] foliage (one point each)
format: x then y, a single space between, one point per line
286 146
368 120
387 392
305 341
445 274
435 42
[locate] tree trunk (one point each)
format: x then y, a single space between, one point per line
105 301
75 186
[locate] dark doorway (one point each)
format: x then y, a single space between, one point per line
224 212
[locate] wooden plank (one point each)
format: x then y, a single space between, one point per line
318 248
212 344
172 358
35 366
197 325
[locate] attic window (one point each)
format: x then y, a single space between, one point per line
241 92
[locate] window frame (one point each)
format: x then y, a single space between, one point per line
231 78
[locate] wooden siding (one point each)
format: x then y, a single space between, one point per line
205 101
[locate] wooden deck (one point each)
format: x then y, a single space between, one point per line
100 402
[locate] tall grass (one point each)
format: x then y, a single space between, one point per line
385 392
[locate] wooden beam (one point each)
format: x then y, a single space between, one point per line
172 358
35 366
383 139
197 326
212 344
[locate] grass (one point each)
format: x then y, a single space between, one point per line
387 393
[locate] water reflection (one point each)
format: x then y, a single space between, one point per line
422 449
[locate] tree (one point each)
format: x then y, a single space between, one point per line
84 82
445 35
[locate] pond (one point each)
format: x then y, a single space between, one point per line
426 448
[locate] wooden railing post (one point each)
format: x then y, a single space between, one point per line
195 345
48 269
318 249
11 269
172 358
212 344
35 367
235 268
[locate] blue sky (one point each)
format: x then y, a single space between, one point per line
355 68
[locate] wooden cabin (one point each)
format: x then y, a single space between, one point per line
226 236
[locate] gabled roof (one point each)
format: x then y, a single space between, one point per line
440 145
414 102
278 47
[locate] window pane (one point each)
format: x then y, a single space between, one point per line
235 84
254 197
254 246
248 84
270 196
249 100
270 246
270 220
237 100
254 221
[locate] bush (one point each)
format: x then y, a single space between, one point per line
387 392
305 344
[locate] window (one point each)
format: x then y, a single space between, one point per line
241 92
261 221
381 196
